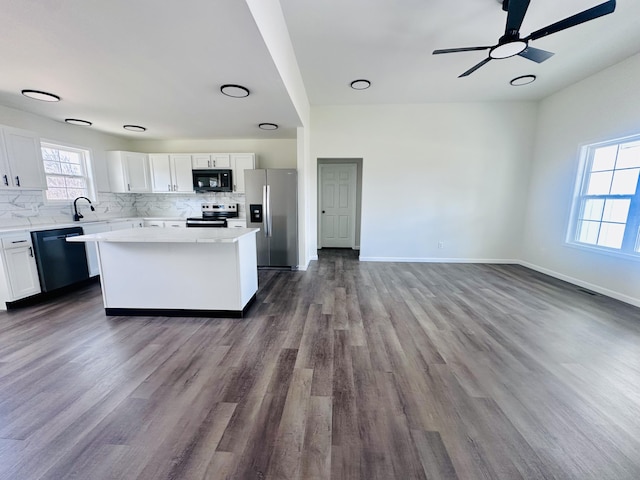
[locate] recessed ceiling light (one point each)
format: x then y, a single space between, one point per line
523 80
360 84
38 95
134 128
77 121
268 126
235 91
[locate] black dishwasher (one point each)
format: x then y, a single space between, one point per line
60 263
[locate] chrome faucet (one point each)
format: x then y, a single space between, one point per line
77 216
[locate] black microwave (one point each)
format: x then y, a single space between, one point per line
212 181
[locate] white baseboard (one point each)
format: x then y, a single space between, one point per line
436 260
575 281
589 286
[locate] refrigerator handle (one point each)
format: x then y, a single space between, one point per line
268 210
264 212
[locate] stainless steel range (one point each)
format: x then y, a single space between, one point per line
214 215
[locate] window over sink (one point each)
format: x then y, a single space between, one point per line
68 172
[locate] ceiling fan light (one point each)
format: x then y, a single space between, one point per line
507 50
235 91
77 121
268 126
523 80
134 128
360 84
40 95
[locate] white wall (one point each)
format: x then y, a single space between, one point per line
277 153
455 173
27 207
85 137
602 107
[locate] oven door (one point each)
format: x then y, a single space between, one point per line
207 223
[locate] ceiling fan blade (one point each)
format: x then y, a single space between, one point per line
517 9
590 14
475 67
536 54
464 49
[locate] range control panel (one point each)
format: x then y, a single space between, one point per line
219 207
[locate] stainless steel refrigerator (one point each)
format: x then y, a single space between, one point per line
272 206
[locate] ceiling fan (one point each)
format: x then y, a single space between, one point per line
510 44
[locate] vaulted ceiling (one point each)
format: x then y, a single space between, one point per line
161 64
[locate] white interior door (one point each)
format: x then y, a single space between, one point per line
337 205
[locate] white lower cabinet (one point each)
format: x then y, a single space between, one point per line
124 224
175 224
19 275
165 223
236 223
154 223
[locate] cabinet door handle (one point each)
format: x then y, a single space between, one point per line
17 181
31 251
19 241
129 186
6 180
175 188
169 187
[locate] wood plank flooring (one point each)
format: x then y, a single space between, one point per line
346 371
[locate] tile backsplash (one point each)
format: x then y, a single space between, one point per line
26 208
182 205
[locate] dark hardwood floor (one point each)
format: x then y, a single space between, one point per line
347 371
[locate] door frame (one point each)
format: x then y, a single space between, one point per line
356 208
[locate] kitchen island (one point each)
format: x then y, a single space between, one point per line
208 272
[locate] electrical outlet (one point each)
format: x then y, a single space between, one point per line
441 244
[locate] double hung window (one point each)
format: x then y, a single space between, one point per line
67 171
606 209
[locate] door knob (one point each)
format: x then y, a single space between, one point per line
322 211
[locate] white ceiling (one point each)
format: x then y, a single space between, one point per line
390 42
160 64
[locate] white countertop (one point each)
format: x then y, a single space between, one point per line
168 235
51 226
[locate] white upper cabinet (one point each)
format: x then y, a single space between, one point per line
161 180
129 172
21 160
171 173
201 161
241 162
220 160
181 173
